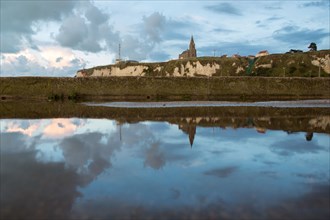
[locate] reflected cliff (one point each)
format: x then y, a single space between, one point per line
296 119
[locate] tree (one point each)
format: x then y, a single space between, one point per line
313 47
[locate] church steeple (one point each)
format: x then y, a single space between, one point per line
192 49
191 52
192 43
189 129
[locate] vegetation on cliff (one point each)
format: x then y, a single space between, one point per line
308 64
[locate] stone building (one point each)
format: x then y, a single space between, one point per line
191 52
262 53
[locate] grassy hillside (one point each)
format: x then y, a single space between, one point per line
165 88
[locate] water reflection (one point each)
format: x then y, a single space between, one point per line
104 169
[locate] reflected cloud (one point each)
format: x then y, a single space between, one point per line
15 127
154 157
312 205
105 167
291 147
270 163
270 174
49 128
222 152
88 154
312 178
175 193
221 172
30 188
14 142
59 128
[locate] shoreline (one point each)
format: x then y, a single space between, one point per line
325 103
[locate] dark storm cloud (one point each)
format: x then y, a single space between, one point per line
18 20
10 42
95 16
79 33
224 8
19 17
296 35
221 172
72 31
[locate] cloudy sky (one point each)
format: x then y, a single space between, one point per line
55 38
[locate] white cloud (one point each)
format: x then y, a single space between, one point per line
43 62
57 57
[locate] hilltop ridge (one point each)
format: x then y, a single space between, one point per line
306 64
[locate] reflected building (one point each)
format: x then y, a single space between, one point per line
309 136
189 129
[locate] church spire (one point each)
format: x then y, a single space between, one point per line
191 52
192 41
192 49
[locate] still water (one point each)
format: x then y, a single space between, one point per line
81 168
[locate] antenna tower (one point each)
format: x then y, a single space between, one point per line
119 50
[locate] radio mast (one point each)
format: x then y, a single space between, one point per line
118 60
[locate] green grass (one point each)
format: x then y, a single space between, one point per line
165 88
